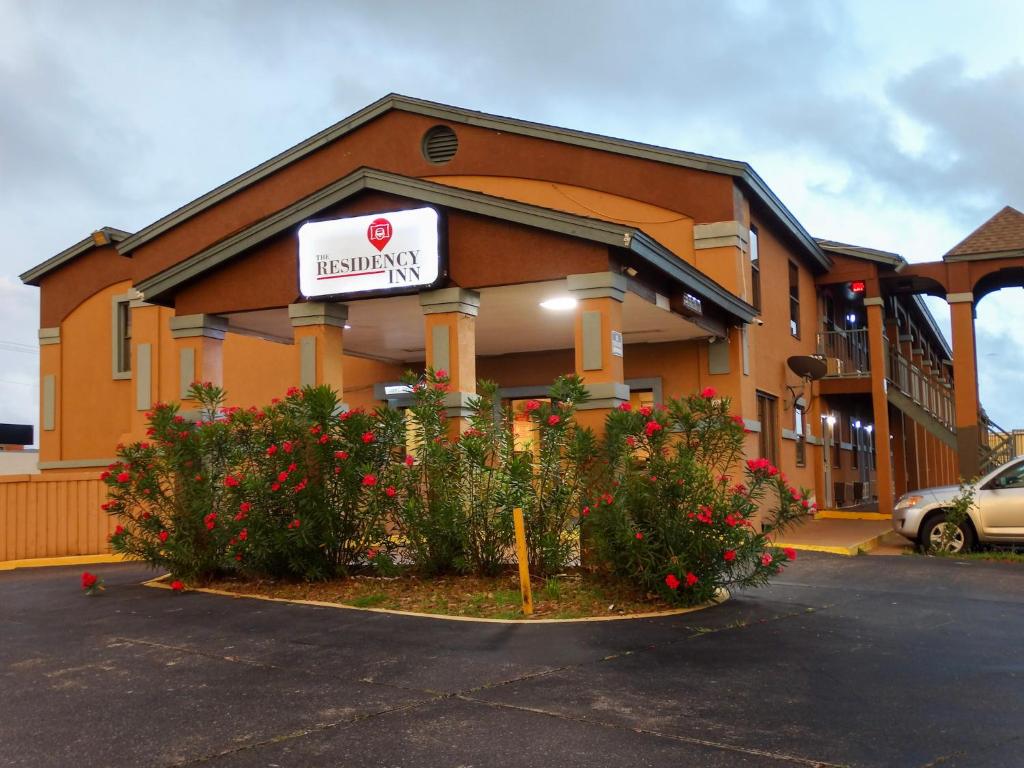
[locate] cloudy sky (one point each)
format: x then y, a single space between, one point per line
892 125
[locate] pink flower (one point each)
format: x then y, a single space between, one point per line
371 553
766 559
789 552
646 410
531 405
708 392
554 419
672 582
729 555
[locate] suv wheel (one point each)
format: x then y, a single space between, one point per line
931 536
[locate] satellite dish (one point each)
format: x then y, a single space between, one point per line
807 366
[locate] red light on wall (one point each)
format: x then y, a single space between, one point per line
857 286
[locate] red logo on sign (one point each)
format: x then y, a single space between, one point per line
379 233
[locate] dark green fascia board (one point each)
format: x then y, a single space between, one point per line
893 260
156 287
739 170
34 275
691 278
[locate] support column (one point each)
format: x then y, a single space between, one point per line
198 343
449 325
598 342
899 454
880 403
50 364
965 382
319 329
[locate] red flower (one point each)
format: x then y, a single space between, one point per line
271 450
553 419
210 520
177 586
244 507
585 512
390 490
301 485
275 486
440 374
646 410
104 475
691 579
766 559
672 581
293 392
369 480
368 437
341 454
409 460
294 524
88 580
282 476
287 445
789 552
163 536
123 477
243 534
708 392
231 481
738 420
639 535
292 467
651 427
729 555
120 529
315 429
323 439
631 441
531 405
625 406
371 553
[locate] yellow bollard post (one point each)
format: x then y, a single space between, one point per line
524 565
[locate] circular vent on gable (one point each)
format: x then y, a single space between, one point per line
440 144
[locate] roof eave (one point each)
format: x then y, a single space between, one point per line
38 272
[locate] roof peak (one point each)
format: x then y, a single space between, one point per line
1002 232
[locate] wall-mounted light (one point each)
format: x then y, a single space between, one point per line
869 428
559 303
830 420
856 424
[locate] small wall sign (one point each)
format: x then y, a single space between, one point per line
617 343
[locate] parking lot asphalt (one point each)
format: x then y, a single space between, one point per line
862 661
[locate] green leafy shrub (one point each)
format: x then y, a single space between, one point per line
671 519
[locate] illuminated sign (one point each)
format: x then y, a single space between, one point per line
692 305
367 254
857 286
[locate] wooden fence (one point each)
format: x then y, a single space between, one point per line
53 515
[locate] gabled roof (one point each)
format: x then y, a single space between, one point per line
739 170
860 252
1002 235
98 239
596 230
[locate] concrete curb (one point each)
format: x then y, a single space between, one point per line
42 562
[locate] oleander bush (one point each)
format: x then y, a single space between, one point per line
675 514
301 489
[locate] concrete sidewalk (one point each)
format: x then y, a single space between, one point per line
844 537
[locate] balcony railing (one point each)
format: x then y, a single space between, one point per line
847 355
846 351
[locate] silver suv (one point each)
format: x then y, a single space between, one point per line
997 515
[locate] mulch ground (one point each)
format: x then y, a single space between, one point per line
567 596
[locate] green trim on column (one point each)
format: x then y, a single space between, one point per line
186 371
144 377
593 356
49 336
597 285
49 402
442 351
605 394
450 300
318 313
190 326
307 361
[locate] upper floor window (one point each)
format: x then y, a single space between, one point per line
768 438
755 270
794 300
799 426
121 337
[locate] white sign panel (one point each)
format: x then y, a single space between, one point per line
389 251
617 343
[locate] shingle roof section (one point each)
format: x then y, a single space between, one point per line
1003 232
